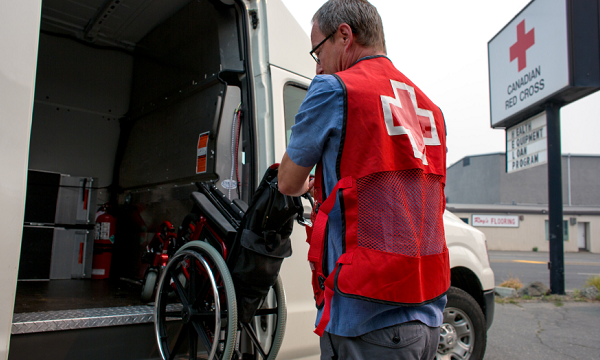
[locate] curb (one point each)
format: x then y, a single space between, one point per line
505 292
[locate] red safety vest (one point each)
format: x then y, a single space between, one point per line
391 170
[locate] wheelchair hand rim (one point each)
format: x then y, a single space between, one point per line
213 283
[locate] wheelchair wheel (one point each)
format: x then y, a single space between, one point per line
197 319
270 320
268 327
149 285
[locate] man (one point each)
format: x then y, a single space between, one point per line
377 248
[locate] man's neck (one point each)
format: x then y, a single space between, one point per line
357 53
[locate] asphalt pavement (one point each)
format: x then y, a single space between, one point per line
545 331
533 266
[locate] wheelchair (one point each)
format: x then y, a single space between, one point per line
196 313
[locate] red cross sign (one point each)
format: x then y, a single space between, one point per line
524 42
403 117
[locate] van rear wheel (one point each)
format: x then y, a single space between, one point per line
463 334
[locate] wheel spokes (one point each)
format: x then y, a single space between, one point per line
192 282
182 334
173 314
263 312
254 340
195 300
203 336
193 342
462 329
450 317
180 289
202 293
461 351
206 307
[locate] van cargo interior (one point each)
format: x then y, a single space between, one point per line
135 101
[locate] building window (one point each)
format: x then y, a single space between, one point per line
565 230
465 220
466 161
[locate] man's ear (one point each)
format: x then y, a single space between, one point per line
346 35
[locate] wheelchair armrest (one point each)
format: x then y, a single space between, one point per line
213 214
241 204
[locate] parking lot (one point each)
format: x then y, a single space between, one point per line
533 266
544 329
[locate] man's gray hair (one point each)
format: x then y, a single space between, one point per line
362 17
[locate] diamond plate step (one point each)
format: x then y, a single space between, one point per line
36 322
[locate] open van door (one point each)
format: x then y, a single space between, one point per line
19 32
289 90
291 70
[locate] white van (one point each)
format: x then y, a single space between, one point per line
130 102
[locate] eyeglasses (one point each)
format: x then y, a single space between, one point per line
312 52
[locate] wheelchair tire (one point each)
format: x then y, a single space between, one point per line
204 309
275 324
275 339
149 285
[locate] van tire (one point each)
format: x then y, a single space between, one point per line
463 329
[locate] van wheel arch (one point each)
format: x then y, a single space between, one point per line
466 280
463 333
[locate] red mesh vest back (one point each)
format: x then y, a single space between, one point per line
391 169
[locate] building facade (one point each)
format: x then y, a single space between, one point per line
512 209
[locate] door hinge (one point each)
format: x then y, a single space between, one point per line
254 16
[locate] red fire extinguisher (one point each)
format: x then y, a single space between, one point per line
103 243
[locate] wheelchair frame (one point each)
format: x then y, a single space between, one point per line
196 290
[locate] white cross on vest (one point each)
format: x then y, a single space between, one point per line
403 117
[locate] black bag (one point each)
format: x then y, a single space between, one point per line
264 237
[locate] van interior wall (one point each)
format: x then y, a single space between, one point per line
132 119
177 96
81 92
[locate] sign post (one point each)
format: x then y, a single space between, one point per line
555 204
545 57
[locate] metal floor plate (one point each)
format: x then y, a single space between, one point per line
80 319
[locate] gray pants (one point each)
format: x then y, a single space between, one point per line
408 341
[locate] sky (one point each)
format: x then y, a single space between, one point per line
441 46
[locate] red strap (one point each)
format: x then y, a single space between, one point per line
315 252
325 316
318 190
326 312
318 233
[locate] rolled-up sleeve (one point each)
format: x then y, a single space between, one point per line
320 114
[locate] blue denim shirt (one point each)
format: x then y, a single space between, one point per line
315 136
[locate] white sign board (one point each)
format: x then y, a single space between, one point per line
529 59
511 221
526 144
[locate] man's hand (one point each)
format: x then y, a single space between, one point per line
311 186
292 178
